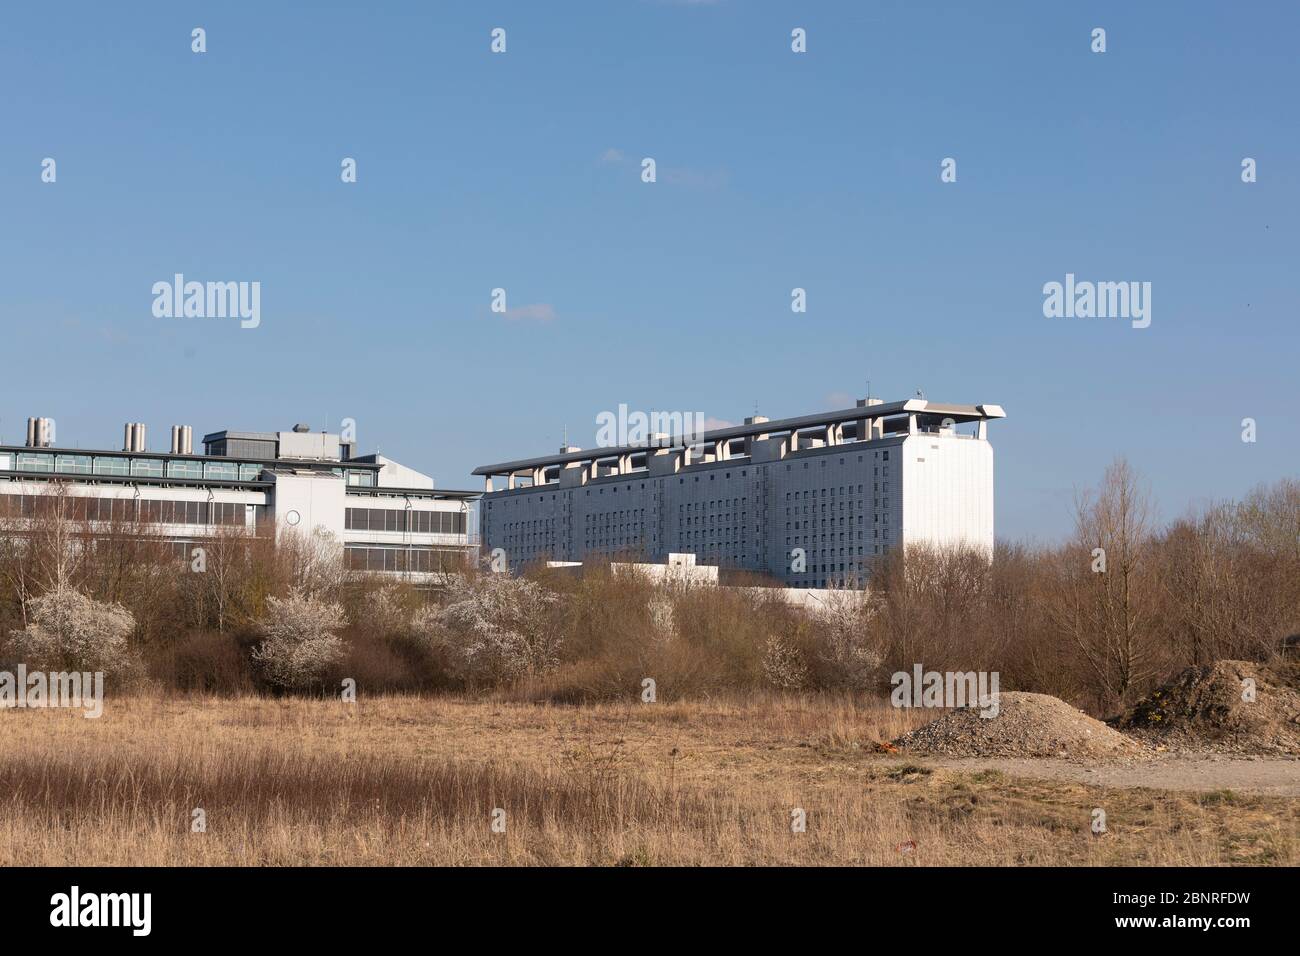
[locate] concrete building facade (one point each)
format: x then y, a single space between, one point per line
386 517
808 501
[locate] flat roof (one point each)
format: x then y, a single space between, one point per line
230 433
959 413
437 494
256 484
236 459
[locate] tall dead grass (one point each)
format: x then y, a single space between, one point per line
404 780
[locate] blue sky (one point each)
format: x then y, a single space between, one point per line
775 170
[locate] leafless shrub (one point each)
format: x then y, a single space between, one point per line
384 611
313 562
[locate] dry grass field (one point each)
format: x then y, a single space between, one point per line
415 781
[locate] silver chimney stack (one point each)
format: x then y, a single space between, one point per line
39 432
182 440
133 438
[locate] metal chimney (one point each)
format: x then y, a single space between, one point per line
133 438
39 432
182 440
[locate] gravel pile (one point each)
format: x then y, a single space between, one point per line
1027 725
1203 709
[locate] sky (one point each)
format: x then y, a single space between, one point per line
775 170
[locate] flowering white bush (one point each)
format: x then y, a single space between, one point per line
783 665
843 640
494 628
70 631
663 618
301 642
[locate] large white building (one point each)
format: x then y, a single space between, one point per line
807 501
385 516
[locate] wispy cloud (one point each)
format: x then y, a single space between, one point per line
536 312
695 178
687 176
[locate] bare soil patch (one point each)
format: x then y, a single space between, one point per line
1203 773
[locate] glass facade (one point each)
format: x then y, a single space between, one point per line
34 461
221 470
72 464
121 466
112 466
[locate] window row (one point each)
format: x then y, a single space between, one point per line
132 467
421 560
130 510
416 522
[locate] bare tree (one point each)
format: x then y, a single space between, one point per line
1104 606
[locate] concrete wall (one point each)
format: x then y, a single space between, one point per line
309 503
318 446
396 475
947 492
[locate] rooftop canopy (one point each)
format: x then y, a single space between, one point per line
913 406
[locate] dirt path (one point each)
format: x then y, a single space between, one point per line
1278 776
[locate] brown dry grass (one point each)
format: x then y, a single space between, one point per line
414 781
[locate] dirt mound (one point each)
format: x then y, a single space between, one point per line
1204 708
1027 725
